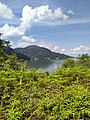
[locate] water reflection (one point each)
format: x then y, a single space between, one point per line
50 65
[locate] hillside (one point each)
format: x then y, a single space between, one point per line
36 52
11 51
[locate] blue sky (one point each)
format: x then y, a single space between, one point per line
60 25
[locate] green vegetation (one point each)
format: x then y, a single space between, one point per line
28 95
34 52
9 61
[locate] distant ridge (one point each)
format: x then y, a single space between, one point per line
34 52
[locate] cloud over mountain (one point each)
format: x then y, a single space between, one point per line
76 51
25 41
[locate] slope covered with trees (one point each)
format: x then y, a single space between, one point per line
36 52
20 55
27 95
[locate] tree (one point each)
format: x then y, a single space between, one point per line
84 61
68 63
9 61
2 42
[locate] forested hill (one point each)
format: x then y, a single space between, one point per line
36 52
11 51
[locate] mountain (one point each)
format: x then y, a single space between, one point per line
34 52
11 51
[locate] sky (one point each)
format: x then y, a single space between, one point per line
60 25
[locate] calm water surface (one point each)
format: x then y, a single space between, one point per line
50 66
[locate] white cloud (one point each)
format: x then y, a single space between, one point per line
62 50
44 44
5 11
28 39
76 51
10 31
70 12
51 46
55 48
32 15
25 41
72 52
59 14
81 49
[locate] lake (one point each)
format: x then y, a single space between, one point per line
49 65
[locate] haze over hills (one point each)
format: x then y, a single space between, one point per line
34 52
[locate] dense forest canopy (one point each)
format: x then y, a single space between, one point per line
8 61
27 95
